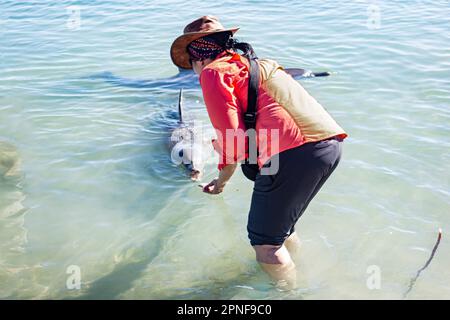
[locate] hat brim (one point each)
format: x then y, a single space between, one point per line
178 50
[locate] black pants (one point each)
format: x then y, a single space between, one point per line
280 199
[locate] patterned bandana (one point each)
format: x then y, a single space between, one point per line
203 49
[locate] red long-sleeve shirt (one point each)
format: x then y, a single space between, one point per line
224 84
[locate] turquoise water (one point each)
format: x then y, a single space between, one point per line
86 179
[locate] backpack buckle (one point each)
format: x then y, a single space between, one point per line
249 117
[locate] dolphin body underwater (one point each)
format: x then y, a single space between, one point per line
185 79
187 145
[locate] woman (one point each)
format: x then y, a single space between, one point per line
305 141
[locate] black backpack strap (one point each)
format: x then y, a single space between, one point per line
250 118
253 82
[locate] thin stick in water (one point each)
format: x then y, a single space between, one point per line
413 280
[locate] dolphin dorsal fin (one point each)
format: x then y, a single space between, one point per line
180 107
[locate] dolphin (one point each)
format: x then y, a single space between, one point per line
185 78
186 144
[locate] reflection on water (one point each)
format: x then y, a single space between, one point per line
86 177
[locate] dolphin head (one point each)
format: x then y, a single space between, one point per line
190 156
188 153
194 171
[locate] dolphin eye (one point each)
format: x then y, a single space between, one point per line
180 153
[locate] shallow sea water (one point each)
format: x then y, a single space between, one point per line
86 178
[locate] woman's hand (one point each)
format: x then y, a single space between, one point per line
216 186
213 187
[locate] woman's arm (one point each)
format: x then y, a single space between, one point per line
221 102
223 110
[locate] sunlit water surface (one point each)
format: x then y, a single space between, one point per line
87 179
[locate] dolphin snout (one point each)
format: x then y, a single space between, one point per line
195 174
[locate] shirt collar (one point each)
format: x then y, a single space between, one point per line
228 55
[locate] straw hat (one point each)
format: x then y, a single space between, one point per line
203 26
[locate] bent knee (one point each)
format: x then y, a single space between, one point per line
272 254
